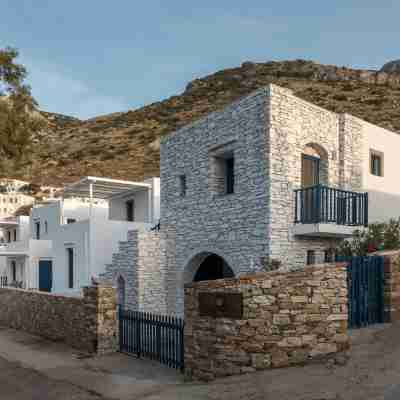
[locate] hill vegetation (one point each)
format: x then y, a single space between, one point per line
126 145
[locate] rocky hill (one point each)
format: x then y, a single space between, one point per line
391 67
126 145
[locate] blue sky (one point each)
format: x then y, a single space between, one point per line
89 57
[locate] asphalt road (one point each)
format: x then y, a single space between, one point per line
18 383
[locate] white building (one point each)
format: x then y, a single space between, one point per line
66 242
13 196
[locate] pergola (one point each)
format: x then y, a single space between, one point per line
102 188
92 187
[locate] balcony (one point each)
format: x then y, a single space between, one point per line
323 211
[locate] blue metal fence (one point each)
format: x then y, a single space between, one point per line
157 337
323 204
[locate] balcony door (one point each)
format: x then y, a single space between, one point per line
309 177
309 170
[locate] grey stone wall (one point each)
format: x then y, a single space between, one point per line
87 324
267 132
142 261
232 226
294 124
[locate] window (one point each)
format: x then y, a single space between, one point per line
222 173
15 235
310 257
376 161
130 210
71 220
70 265
13 271
46 227
9 236
182 185
37 230
329 255
229 175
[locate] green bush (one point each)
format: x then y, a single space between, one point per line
379 236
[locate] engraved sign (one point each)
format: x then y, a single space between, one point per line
221 305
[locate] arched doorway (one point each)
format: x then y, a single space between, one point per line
213 267
121 292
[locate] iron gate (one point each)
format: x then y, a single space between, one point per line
157 337
365 290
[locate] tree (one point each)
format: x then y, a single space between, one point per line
19 118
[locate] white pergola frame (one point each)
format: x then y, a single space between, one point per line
92 187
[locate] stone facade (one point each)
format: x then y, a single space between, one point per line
294 124
142 263
88 324
266 133
288 318
391 284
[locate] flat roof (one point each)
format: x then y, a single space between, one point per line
103 188
8 223
10 253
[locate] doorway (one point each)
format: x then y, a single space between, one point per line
213 267
310 169
45 275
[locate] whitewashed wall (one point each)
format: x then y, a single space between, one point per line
384 192
77 236
56 214
104 241
117 210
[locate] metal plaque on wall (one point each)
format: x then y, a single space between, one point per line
221 305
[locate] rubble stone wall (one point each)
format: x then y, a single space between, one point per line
288 318
86 323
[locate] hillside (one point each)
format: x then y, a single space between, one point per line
126 145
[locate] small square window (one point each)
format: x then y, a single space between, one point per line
182 185
329 255
223 174
310 257
376 163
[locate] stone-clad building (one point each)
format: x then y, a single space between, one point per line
270 181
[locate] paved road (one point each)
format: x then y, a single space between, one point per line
34 369
18 383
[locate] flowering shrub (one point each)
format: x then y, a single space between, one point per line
379 236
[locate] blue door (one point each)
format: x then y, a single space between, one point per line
45 275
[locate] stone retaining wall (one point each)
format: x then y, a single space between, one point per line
87 323
391 284
288 318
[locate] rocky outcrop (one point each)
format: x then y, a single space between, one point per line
391 67
124 145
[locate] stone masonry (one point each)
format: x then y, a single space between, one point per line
142 262
288 318
391 284
87 323
266 133
293 125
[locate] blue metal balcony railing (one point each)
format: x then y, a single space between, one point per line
323 204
